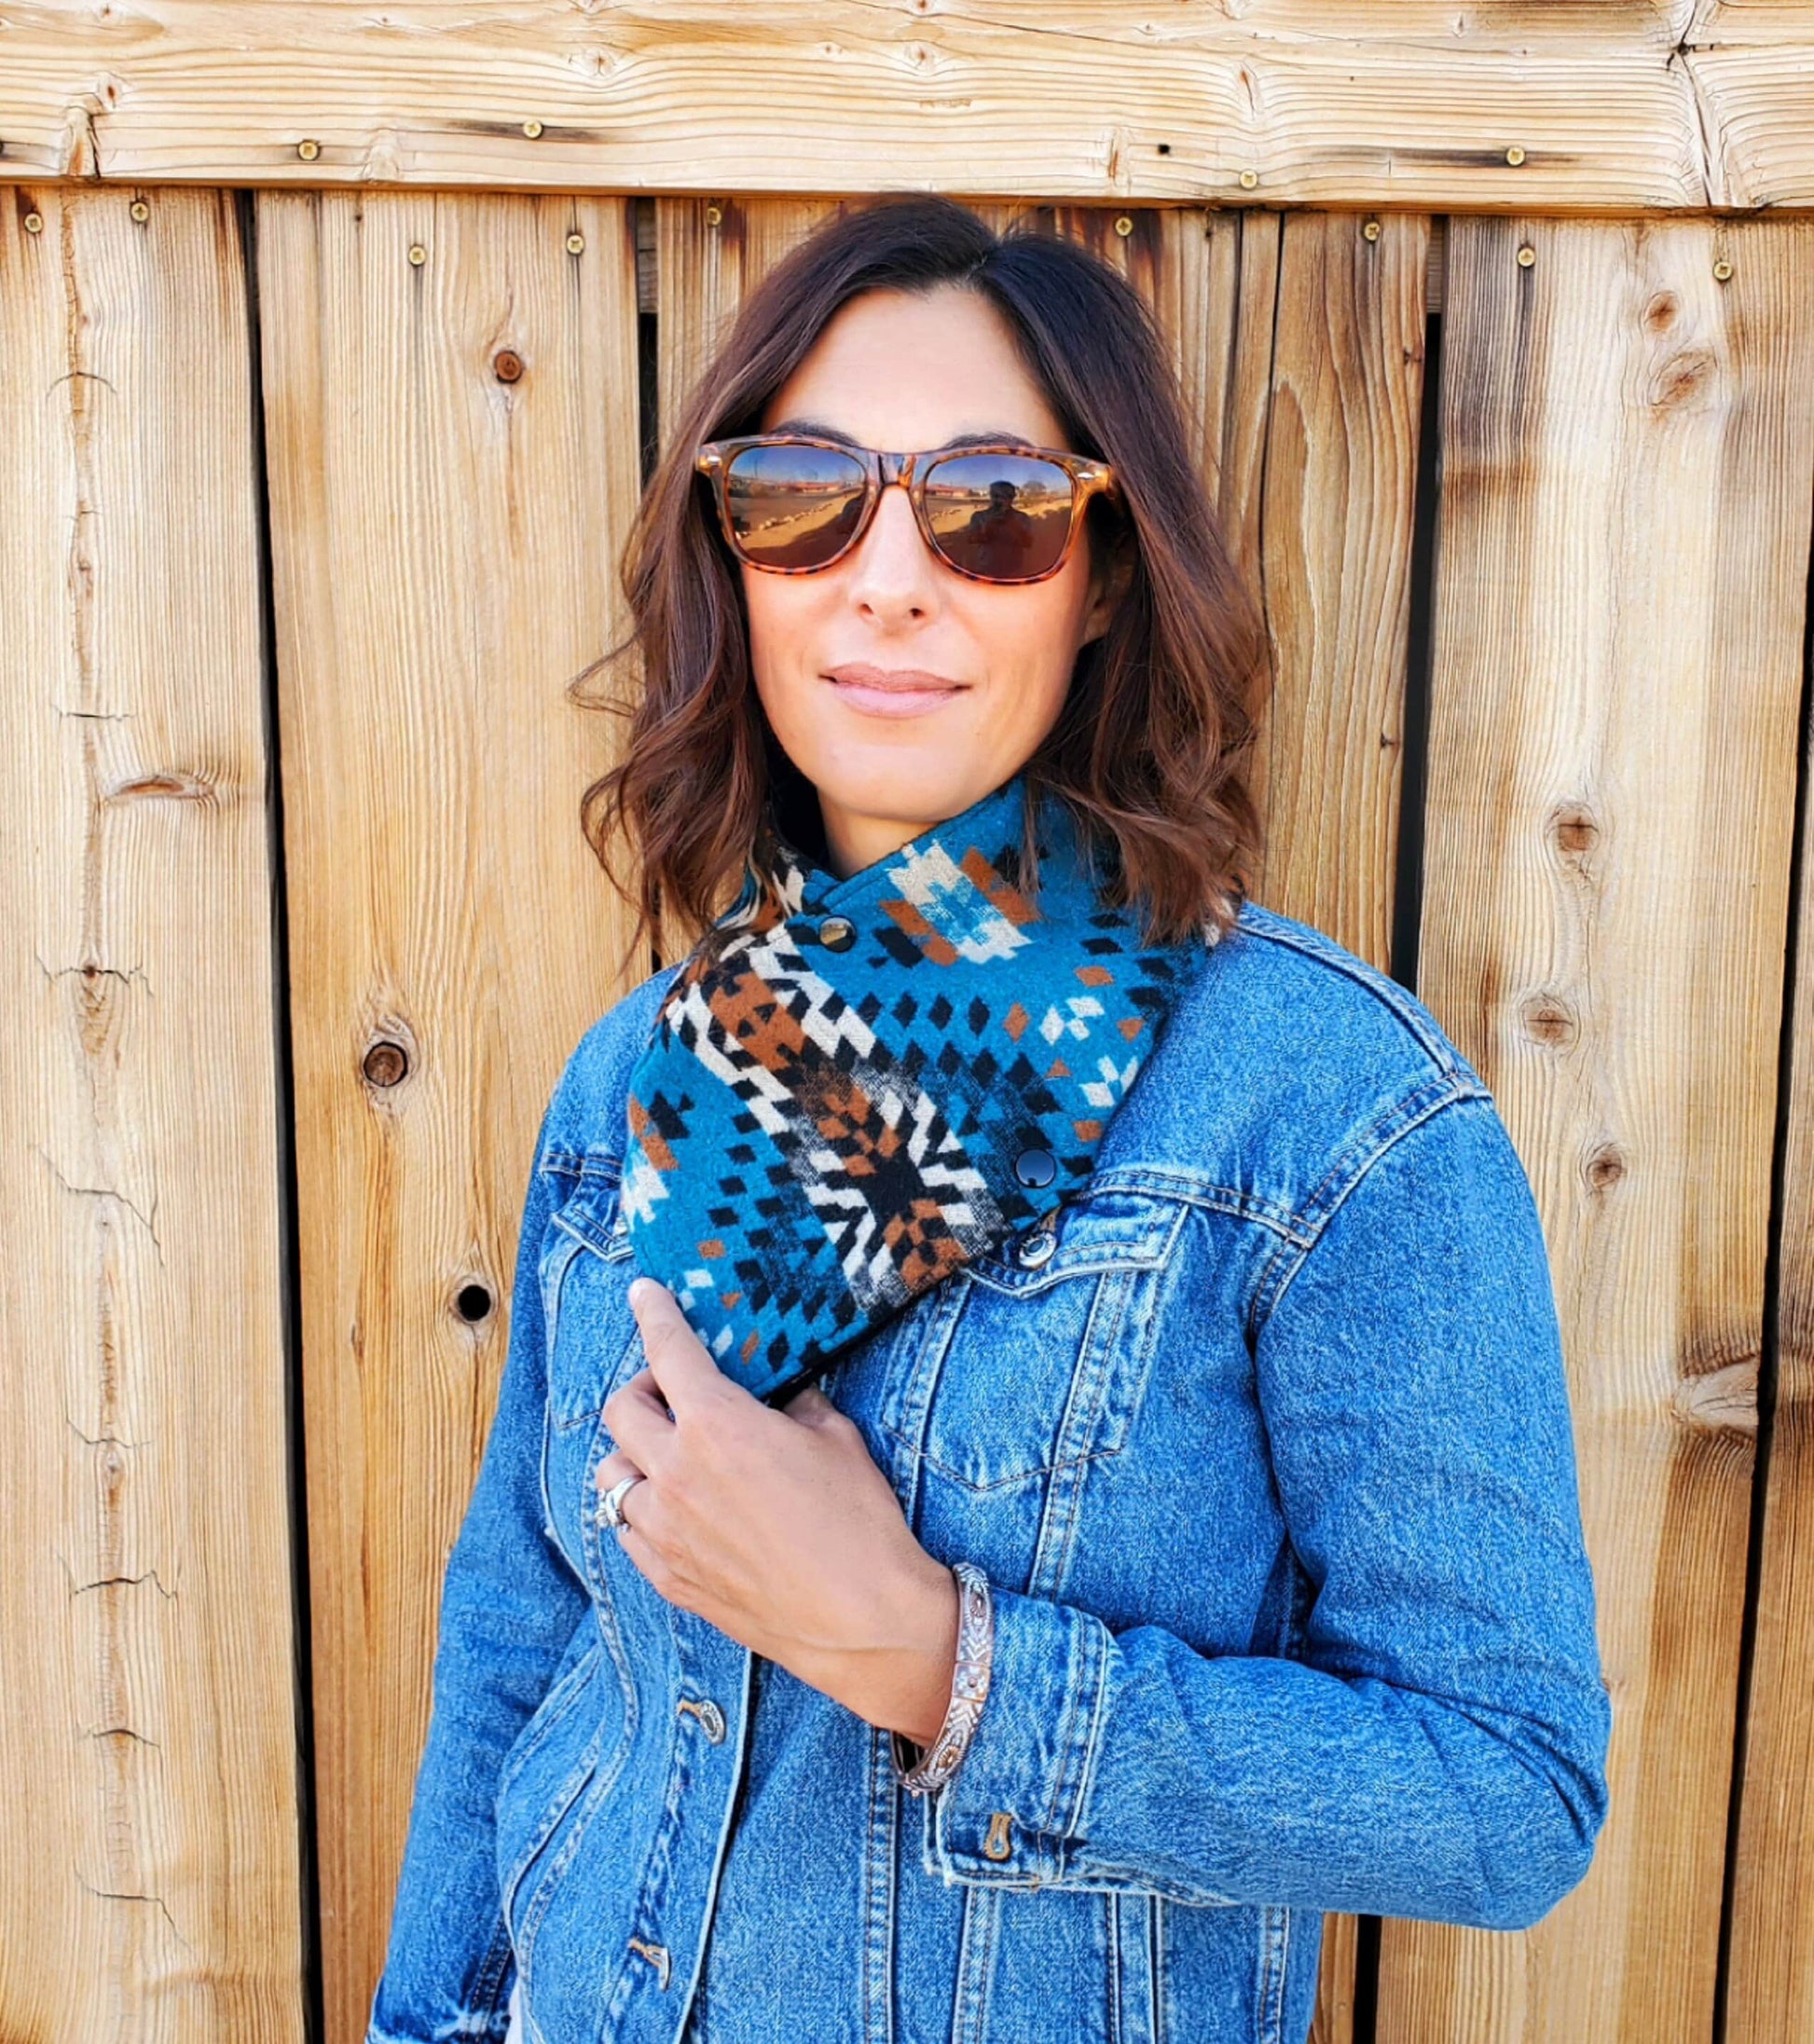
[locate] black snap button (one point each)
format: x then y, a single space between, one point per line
837 933
1036 1167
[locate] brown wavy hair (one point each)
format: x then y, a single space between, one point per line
1151 747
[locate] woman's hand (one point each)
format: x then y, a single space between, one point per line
778 1527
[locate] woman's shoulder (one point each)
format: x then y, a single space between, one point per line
1296 983
1288 1060
586 1110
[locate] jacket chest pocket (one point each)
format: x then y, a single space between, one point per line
594 1346
587 1268
1034 1357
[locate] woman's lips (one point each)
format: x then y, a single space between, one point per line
905 693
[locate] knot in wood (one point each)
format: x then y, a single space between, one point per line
1604 1167
1576 830
1549 1020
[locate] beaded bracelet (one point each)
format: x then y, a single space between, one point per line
970 1685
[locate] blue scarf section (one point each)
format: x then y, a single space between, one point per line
869 1091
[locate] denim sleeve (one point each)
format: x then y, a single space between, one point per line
509 1608
1434 1747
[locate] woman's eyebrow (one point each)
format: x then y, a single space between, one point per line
821 431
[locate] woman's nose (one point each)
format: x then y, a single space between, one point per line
892 568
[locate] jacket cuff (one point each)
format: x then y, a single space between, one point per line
1010 1811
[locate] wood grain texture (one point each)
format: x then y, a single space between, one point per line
1770 1990
1627 458
709 254
149 1886
1751 65
1340 489
1407 103
444 546
1771 1983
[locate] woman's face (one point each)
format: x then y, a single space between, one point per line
903 691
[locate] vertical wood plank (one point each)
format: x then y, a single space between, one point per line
445 544
150 1884
1627 458
1341 446
703 266
1325 535
1770 1991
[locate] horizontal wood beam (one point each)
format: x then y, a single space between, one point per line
1562 106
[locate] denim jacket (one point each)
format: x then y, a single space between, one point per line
1264 1446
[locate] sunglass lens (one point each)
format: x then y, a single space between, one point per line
1003 516
794 507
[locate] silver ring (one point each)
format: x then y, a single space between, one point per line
611 1506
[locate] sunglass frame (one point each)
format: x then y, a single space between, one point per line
881 467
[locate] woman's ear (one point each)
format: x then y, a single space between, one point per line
1108 584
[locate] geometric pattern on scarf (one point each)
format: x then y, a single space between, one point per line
818 1135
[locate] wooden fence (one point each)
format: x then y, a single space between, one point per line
1498 336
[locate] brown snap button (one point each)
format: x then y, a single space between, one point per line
837 933
711 1719
656 1954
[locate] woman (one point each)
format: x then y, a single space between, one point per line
1085 1483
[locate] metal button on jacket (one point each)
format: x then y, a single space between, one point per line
1036 1248
837 933
1036 1167
711 1719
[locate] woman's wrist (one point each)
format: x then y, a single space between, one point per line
922 1766
900 1680
926 1696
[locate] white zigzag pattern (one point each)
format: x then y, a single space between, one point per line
1084 1009
850 1223
929 878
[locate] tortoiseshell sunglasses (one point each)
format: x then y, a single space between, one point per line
999 510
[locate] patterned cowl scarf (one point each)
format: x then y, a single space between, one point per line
864 1095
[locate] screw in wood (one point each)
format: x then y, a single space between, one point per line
576 244
1124 226
417 253
386 1064
34 223
713 216
309 149
1371 230
1515 156
1248 180
1526 255
1721 271
140 211
507 365
532 129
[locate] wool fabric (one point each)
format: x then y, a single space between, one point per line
880 1085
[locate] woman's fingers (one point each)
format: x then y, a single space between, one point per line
638 1419
683 1369
613 1469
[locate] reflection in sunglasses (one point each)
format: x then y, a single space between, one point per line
998 515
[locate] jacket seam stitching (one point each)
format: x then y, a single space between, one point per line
1077 1761
1406 1114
